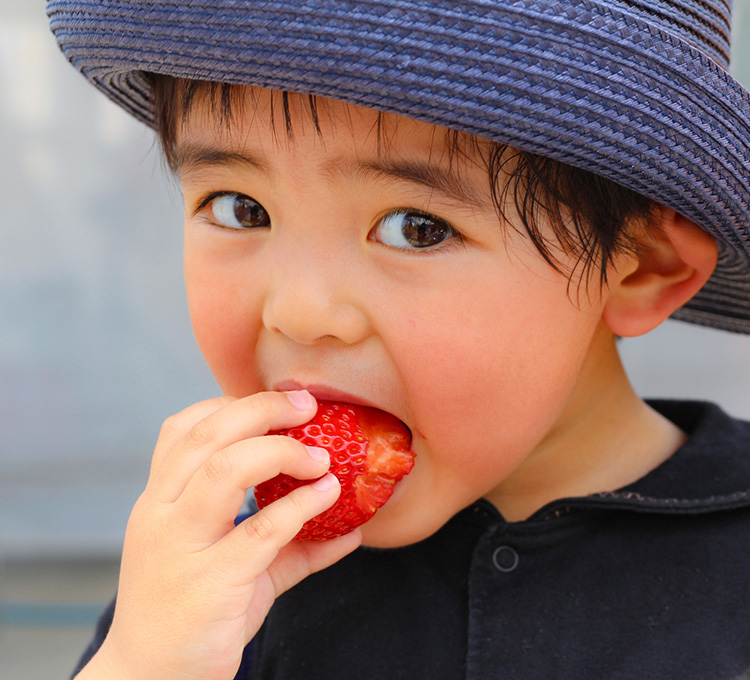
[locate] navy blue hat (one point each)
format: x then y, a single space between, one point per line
634 90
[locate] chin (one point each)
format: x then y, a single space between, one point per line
392 530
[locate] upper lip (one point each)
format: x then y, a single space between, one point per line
328 393
323 392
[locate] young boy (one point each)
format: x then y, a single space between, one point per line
449 211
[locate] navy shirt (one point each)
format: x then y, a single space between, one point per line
650 581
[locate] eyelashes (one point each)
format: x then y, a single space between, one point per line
235 211
411 229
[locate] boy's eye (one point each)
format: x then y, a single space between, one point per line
237 211
412 230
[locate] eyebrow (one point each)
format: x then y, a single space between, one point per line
443 180
192 158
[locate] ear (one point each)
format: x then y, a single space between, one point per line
673 264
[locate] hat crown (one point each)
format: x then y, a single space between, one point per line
704 24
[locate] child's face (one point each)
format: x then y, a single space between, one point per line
386 278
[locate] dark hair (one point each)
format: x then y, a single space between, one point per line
592 218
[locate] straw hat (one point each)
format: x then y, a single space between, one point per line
634 90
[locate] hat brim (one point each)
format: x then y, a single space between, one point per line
581 82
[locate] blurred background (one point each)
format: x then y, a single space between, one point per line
96 348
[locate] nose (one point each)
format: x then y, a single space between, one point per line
312 297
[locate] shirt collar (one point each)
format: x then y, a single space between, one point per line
713 463
709 473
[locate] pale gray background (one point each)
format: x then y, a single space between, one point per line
95 342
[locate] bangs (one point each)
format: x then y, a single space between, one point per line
175 100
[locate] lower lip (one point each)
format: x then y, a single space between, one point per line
398 492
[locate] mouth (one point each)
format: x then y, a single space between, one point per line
323 393
327 393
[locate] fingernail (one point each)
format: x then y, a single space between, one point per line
327 481
301 399
316 453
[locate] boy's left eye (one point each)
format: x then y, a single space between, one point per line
413 230
237 211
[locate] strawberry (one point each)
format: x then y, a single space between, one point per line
369 453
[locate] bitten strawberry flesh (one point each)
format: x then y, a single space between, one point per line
370 452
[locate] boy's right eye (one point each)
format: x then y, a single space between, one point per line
237 211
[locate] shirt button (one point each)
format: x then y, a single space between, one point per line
505 558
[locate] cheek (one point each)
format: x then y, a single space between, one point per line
224 319
491 371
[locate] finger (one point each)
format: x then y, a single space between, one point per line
215 494
174 428
240 419
254 544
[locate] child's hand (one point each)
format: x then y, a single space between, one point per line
194 589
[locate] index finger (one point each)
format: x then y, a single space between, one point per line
173 429
240 419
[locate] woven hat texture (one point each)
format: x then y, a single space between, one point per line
634 90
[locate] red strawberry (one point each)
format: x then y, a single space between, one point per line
369 454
